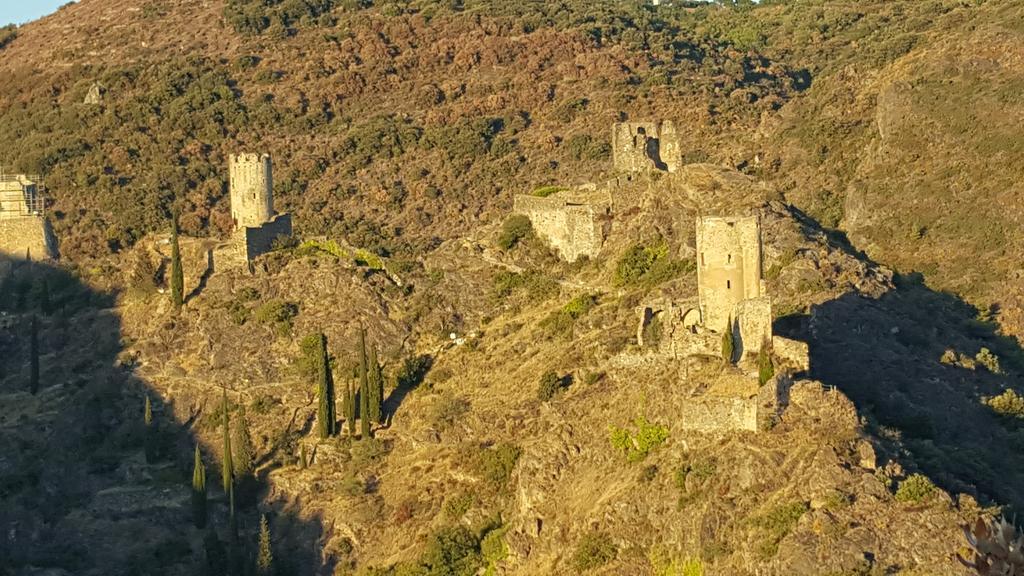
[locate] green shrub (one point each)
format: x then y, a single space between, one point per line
532 285
594 550
451 551
448 409
915 489
495 464
7 35
493 548
277 313
649 265
778 523
636 445
990 361
514 229
1009 403
545 191
562 321
457 506
550 384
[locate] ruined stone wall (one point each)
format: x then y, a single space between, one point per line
753 325
791 354
646 146
719 414
728 266
573 230
18 196
27 235
251 189
260 240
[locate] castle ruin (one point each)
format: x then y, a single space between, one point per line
572 224
24 231
257 225
646 146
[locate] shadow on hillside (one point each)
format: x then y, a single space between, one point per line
885 355
76 491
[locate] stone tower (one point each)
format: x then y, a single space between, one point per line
728 267
644 146
251 184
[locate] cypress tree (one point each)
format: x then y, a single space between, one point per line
33 356
728 344
227 466
364 388
150 439
198 491
326 417
177 276
376 389
243 460
265 557
216 556
350 406
765 367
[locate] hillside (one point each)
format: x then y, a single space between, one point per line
874 141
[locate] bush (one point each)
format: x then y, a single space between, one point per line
277 313
495 464
457 506
545 191
562 321
452 551
532 285
515 228
550 384
778 523
1009 403
595 549
915 489
636 445
649 265
8 34
990 361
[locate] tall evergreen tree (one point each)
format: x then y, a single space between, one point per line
33 356
765 367
243 460
177 275
199 491
350 406
376 388
364 387
150 438
227 466
728 344
265 556
216 556
326 415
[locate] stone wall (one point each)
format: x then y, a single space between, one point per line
719 414
645 146
27 235
260 240
728 266
753 320
791 355
251 189
573 229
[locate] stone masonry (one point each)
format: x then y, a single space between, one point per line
572 224
24 231
646 146
252 197
257 225
728 267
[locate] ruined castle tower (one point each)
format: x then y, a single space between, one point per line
646 146
251 184
728 269
24 230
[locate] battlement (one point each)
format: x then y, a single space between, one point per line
646 146
251 189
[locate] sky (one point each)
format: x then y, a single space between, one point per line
21 11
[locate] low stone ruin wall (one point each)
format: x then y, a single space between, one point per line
573 230
27 236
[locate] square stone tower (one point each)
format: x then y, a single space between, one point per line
251 190
644 146
728 267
